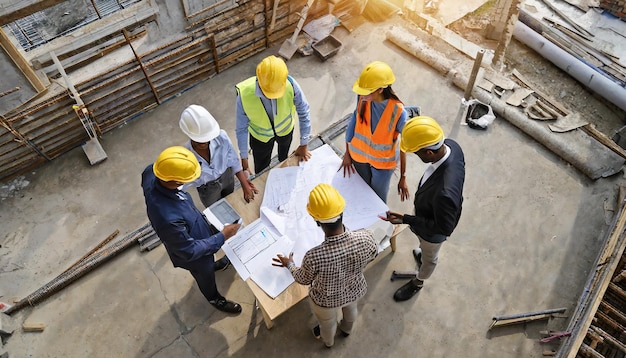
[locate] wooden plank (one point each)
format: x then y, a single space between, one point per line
21 62
613 311
590 129
186 82
617 291
93 53
137 13
549 99
590 352
609 338
17 9
604 319
566 18
33 327
605 266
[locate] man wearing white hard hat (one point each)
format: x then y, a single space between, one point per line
218 159
217 156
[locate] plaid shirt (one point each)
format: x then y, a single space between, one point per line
334 269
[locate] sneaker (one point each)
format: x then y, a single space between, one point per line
343 334
225 305
221 264
316 332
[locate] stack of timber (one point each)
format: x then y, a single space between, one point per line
598 326
46 126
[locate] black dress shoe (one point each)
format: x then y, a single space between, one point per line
408 290
221 264
417 255
225 305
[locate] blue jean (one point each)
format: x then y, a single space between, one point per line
377 179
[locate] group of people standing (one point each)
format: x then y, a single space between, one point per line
266 106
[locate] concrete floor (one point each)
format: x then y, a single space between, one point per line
529 233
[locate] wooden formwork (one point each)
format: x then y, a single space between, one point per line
38 133
47 126
598 325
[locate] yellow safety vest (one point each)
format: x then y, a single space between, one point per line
260 126
378 148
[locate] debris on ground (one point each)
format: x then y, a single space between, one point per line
13 188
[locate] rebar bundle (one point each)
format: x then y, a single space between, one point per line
82 268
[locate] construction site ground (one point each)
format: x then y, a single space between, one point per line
530 231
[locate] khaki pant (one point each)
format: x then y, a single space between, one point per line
327 319
430 256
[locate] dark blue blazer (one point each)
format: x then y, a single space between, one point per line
183 229
438 202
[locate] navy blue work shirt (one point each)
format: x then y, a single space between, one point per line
183 229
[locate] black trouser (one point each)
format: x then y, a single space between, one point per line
262 152
202 270
216 189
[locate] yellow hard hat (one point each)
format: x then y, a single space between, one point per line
325 203
272 75
420 132
374 76
177 164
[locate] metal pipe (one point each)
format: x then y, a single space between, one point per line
529 314
597 82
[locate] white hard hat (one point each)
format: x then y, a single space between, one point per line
198 124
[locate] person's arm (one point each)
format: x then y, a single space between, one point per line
445 212
233 162
403 188
247 186
241 131
304 118
346 164
186 247
303 275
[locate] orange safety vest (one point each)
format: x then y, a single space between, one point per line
378 148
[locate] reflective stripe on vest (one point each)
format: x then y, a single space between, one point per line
378 148
259 125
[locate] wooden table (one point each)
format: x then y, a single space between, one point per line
272 308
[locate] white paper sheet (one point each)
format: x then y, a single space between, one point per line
248 243
362 204
284 215
272 279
